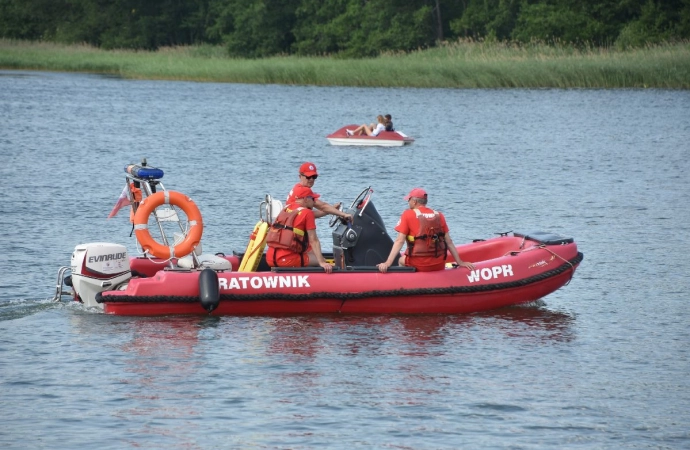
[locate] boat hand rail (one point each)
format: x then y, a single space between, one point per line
263 208
365 195
59 287
366 200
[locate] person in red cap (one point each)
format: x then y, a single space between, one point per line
307 177
427 237
292 239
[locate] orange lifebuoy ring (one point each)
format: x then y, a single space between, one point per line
141 225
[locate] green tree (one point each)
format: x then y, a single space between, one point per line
351 28
323 27
255 28
354 28
493 19
549 23
657 21
31 19
150 24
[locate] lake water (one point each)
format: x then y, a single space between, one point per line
602 363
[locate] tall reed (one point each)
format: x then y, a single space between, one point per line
463 64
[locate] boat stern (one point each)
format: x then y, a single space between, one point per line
98 267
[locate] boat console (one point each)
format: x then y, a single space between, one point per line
364 241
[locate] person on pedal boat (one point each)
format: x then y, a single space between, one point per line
389 122
372 129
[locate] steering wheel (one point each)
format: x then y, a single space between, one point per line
362 195
334 219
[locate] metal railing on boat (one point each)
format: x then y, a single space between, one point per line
60 285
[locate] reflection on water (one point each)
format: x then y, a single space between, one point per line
304 337
398 349
394 361
160 375
531 323
156 389
296 338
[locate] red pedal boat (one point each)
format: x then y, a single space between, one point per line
383 139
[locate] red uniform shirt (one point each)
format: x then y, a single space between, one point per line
291 196
409 226
305 221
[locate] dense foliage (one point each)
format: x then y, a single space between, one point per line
348 28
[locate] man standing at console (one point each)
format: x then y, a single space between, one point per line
307 178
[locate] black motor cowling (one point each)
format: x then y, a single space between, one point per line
364 242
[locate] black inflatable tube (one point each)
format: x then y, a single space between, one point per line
209 293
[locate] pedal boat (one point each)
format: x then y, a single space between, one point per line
383 139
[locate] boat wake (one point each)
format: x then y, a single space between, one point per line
17 309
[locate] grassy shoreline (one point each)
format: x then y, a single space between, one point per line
457 65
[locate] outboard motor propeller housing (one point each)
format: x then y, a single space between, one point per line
98 267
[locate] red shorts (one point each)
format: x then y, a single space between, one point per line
433 268
425 264
291 260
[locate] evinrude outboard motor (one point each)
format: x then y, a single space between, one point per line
98 267
365 241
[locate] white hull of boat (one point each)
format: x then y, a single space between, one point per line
368 142
384 139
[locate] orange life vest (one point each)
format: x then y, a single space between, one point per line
282 234
431 240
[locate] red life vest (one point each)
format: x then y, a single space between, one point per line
283 235
431 240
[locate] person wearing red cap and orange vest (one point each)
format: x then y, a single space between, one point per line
292 239
427 237
307 177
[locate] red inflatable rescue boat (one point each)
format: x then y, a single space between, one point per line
510 269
